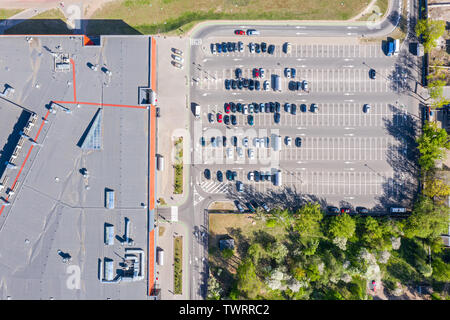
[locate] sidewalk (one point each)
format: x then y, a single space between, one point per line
165 273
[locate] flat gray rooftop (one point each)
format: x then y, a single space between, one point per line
54 206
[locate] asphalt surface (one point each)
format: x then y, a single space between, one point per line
347 158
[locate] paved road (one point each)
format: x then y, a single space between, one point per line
201 195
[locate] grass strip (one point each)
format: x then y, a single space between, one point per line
178 265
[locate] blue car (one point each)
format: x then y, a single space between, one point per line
219 47
293 72
224 47
227 84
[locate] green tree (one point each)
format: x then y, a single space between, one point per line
432 145
342 226
441 270
430 30
372 233
255 252
308 220
436 83
436 189
428 220
277 251
227 253
248 281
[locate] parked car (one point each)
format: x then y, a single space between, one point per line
233 120
177 51
372 74
305 85
219 117
298 142
257 85
227 84
245 142
213 48
287 107
239 186
251 176
366 108
287 72
211 118
226 119
277 117
266 85
219 176
287 47
255 72
239 206
333 210
207 174
240 46
263 46
250 119
288 140
239 32
345 210
261 73
314 107
238 72
271 49
293 72
362 210
303 107
252 32
251 154
265 207
293 109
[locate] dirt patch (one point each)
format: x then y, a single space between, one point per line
221 206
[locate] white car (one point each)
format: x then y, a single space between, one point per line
266 141
287 72
261 73
305 85
251 47
252 32
245 142
211 118
366 108
177 58
213 48
287 48
245 109
251 176
239 152
288 141
251 154
266 85
230 153
256 142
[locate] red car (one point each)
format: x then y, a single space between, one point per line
219 117
256 73
227 108
239 32
374 285
345 210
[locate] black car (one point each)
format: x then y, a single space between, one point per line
202 141
372 74
271 49
277 107
239 107
333 210
224 139
234 141
362 210
293 109
227 84
230 46
251 84
263 46
254 203
234 175
250 207
255 107
298 142
229 175
240 84
272 107
292 85
233 107
238 73
207 174
226 119
303 107
267 105
219 176
276 117
257 48
233 84
245 83
257 85
224 47
256 176
233 120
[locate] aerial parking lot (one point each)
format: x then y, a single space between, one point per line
323 118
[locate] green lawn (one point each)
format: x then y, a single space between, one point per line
48 22
178 184
178 265
162 16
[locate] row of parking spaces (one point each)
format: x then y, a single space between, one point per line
312 149
342 149
347 115
315 51
315 182
348 79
